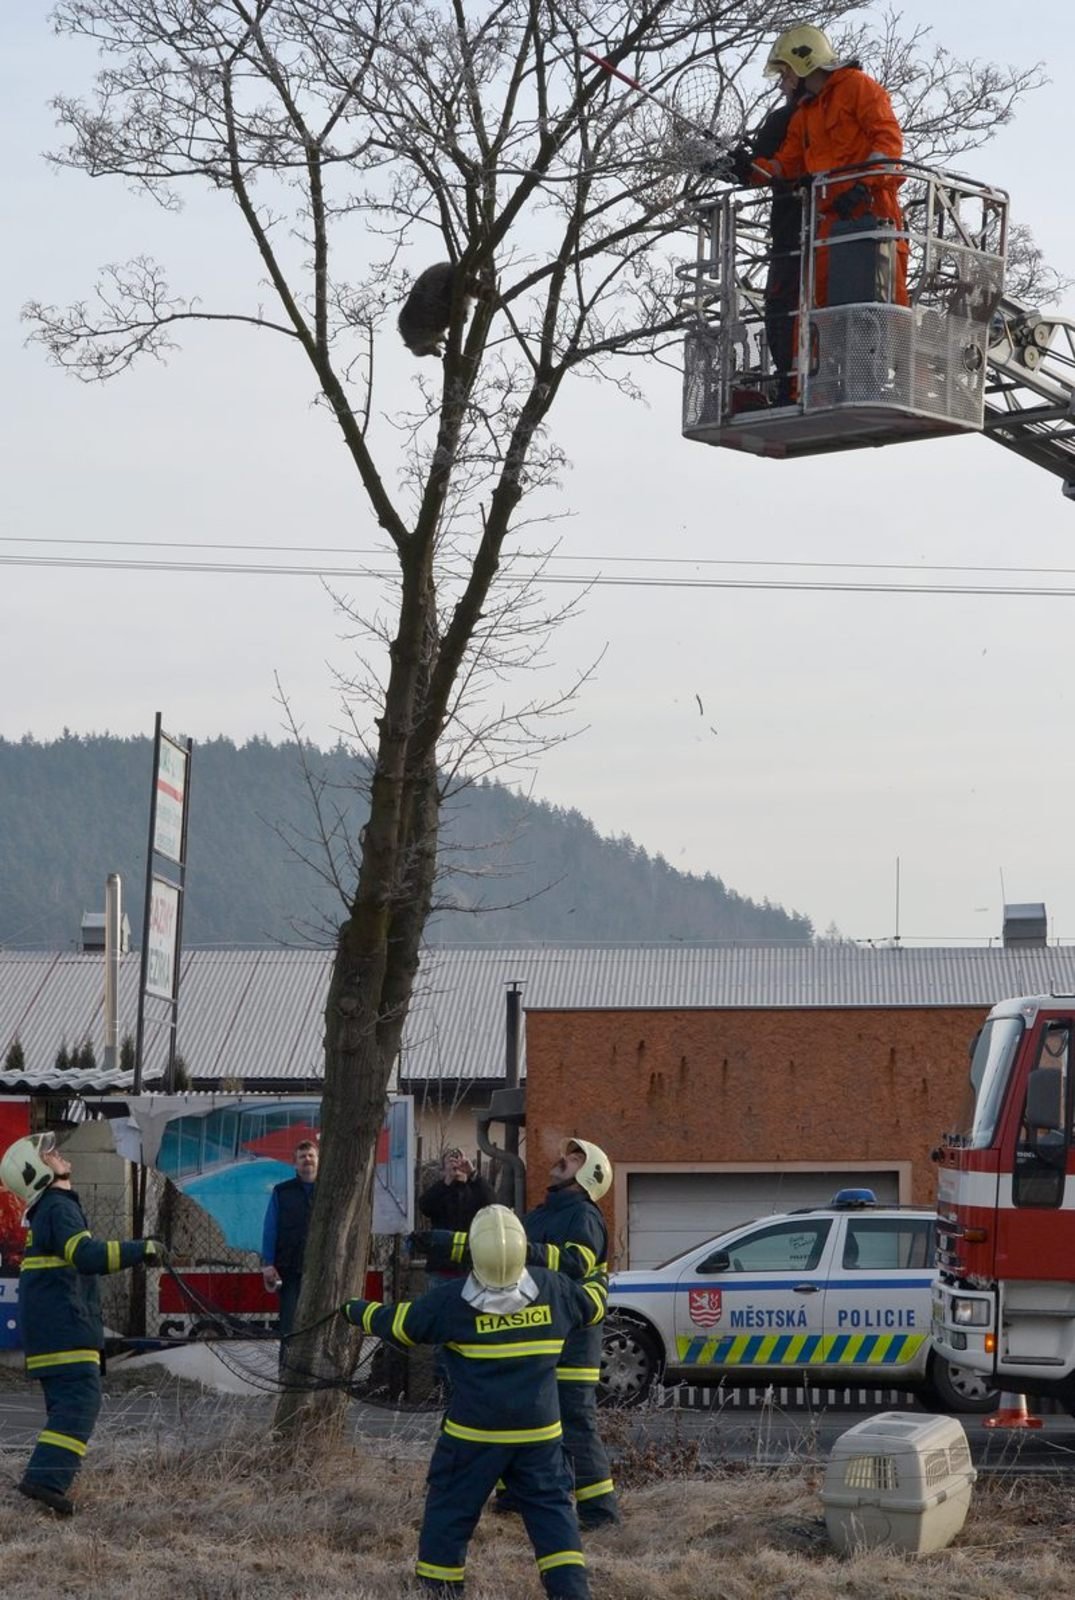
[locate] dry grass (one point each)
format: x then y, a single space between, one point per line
229 1520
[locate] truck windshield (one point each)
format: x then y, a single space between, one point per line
990 1069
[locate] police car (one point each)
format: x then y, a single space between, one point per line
832 1296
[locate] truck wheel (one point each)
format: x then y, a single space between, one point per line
631 1363
958 1389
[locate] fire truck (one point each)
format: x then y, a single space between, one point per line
1004 1302
963 355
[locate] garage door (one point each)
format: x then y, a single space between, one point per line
669 1211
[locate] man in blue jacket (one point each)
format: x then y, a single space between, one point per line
60 1311
502 1329
283 1238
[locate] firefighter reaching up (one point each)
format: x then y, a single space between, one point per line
843 119
60 1310
502 1329
566 1233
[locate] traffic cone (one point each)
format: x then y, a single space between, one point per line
1012 1413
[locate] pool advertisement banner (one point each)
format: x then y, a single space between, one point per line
228 1152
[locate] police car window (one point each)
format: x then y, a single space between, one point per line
782 1247
876 1244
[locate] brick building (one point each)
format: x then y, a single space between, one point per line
726 1083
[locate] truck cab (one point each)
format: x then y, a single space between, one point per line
1004 1303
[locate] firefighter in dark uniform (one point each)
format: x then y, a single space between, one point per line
503 1329
567 1234
60 1311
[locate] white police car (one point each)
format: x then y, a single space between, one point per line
834 1296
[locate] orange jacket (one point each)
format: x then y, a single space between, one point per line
850 119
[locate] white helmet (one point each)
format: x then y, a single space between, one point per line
595 1174
22 1169
497 1247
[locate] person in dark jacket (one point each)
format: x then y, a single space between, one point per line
503 1329
283 1239
567 1234
782 283
452 1203
60 1311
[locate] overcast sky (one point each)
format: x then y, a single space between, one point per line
850 729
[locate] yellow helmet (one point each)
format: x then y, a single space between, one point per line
22 1169
497 1247
595 1174
804 50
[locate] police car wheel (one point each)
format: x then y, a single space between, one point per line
630 1364
958 1389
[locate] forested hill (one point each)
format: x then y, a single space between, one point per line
76 809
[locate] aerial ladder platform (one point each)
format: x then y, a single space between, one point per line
961 355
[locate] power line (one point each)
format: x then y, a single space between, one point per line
577 580
559 556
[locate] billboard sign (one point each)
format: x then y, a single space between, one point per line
171 787
227 1153
162 938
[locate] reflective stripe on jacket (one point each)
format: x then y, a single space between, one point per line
59 1301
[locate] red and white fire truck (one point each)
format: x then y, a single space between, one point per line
1004 1303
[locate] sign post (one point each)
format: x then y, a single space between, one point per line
162 922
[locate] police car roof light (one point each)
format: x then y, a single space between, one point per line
848 1199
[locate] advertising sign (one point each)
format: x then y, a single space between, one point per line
162 932
228 1152
171 784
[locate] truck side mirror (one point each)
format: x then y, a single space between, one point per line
1044 1099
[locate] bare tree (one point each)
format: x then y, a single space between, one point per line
395 133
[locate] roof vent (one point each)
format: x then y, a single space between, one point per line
92 932
1025 926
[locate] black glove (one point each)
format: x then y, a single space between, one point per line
850 201
741 164
157 1254
420 1243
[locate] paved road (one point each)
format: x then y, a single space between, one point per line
766 1439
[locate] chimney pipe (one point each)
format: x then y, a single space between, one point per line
113 912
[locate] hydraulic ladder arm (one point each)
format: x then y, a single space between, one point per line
1030 388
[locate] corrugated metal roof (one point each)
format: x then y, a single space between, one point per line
257 1014
81 1081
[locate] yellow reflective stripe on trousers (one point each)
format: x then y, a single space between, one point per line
589 1260
367 1315
72 1245
499 1352
426 1569
593 1490
62 1358
398 1321
62 1441
503 1435
577 1374
112 1255
29 1262
561 1558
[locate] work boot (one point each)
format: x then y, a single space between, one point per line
60 1503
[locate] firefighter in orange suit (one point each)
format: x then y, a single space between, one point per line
844 118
